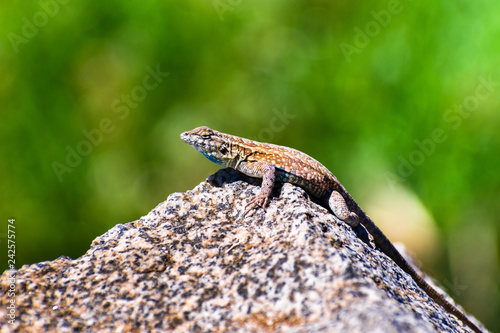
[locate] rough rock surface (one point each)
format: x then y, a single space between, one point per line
195 264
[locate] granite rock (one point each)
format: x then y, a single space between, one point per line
196 264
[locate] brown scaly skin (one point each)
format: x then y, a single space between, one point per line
275 163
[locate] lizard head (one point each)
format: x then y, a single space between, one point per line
215 146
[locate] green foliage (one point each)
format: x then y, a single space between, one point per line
90 119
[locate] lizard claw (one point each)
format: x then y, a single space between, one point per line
258 201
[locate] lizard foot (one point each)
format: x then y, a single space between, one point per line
258 201
362 234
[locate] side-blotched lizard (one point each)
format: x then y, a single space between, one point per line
275 163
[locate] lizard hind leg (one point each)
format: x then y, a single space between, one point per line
339 207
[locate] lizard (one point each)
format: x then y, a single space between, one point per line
274 163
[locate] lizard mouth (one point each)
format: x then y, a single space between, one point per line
186 137
191 140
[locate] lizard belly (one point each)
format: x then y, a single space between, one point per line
309 186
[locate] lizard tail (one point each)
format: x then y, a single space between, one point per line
384 244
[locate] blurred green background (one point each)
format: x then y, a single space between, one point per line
399 99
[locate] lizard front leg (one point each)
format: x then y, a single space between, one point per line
268 174
339 207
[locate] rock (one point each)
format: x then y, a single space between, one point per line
196 264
